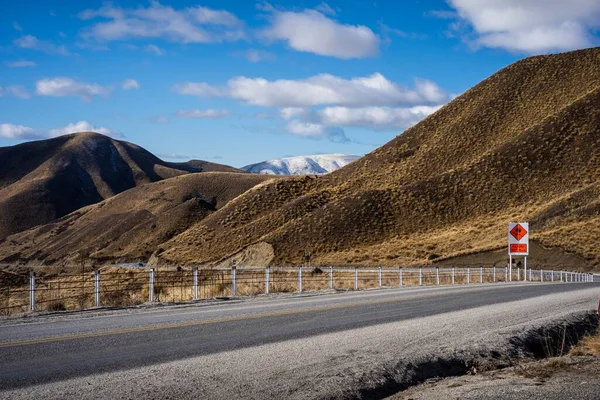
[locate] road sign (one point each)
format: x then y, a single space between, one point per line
518 238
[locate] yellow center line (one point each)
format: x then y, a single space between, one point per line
150 328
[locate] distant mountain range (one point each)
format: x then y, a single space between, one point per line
302 165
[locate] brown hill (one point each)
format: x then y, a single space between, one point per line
132 225
522 145
47 179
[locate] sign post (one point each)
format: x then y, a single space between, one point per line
518 244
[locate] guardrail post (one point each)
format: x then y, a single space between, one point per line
267 279
330 277
400 276
195 281
437 276
530 275
97 288
518 274
151 286
493 274
299 279
452 275
31 291
468 275
233 288
355 278
552 275
379 276
481 274
420 276
542 275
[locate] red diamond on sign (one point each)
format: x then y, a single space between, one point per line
518 232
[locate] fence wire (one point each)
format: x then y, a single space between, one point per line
120 287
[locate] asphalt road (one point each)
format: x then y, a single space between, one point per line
64 348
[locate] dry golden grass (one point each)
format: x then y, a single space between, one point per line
47 179
588 346
523 144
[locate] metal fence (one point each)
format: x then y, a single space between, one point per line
119 287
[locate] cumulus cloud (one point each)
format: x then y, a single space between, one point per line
200 114
317 131
33 43
531 26
16 91
375 117
324 89
10 131
311 31
129 84
62 87
291 112
151 48
84 126
21 64
188 25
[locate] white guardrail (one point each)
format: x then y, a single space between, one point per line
270 279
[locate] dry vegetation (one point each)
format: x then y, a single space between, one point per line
47 179
588 346
522 145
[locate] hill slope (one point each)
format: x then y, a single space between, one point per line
47 179
302 165
523 144
130 226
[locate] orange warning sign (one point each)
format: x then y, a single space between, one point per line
518 248
518 232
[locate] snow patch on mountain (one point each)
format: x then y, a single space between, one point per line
302 165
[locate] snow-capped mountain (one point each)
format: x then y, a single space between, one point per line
302 165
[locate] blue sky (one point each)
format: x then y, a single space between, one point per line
239 82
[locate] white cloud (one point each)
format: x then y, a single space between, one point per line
324 89
129 84
84 126
302 128
311 31
61 87
375 117
189 25
315 130
21 64
291 112
16 91
325 9
208 113
17 27
33 43
258 55
531 26
10 131
151 48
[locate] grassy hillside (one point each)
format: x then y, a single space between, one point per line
132 225
47 179
522 145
